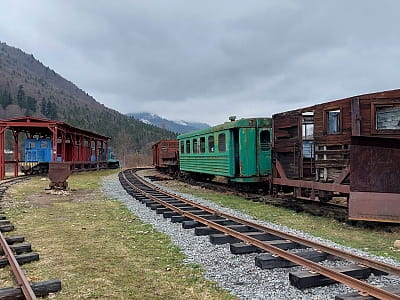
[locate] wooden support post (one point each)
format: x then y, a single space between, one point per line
54 141
2 160
63 146
16 160
74 148
355 117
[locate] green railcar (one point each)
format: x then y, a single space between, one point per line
239 150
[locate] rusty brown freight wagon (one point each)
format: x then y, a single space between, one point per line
165 155
346 149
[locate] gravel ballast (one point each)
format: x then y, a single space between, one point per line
236 273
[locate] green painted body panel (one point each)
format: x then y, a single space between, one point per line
247 152
243 160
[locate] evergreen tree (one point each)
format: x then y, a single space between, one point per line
43 107
21 99
51 110
30 105
5 99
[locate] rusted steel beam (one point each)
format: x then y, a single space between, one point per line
20 277
332 187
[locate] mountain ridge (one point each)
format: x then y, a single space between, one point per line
171 125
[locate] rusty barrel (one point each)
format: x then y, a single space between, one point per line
58 174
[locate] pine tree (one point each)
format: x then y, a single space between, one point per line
21 99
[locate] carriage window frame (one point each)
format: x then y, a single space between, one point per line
374 118
265 140
202 144
332 126
195 146
222 142
211 144
182 147
44 144
188 146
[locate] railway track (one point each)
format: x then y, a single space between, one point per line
339 211
15 253
330 209
245 236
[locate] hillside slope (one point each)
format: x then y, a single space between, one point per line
27 87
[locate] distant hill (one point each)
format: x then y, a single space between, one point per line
174 126
27 87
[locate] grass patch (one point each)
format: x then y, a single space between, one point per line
98 249
376 241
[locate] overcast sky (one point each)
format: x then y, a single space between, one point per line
207 60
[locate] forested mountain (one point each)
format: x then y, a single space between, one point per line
27 87
174 126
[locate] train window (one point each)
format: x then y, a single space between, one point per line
164 149
333 121
195 148
388 118
187 146
221 142
265 140
211 144
44 144
182 147
308 126
32 145
202 144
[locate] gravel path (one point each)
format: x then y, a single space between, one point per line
235 273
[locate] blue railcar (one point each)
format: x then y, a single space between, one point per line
38 155
38 150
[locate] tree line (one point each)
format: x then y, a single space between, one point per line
47 107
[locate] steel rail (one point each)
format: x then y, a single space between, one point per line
20 277
288 236
312 266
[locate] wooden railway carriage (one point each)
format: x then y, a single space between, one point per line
348 147
165 155
238 150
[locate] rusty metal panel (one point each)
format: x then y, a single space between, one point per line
375 179
375 165
384 207
58 174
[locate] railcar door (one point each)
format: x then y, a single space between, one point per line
264 152
236 151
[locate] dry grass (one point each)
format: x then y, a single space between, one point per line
99 249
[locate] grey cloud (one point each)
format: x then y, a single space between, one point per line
183 59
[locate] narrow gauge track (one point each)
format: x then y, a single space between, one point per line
327 209
337 211
224 228
13 244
